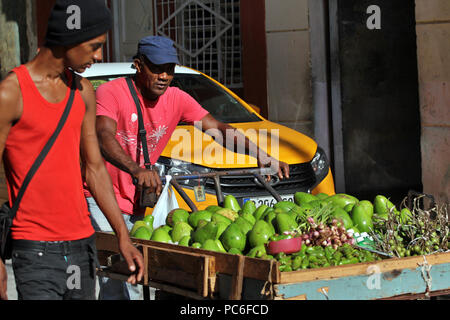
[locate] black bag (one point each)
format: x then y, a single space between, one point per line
7 213
145 199
6 218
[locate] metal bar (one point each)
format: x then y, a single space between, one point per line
183 194
217 187
268 187
237 172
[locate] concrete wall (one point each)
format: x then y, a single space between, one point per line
288 63
433 48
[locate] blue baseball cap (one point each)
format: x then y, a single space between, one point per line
159 50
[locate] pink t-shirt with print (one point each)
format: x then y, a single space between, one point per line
161 117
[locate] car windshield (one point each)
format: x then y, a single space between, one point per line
219 103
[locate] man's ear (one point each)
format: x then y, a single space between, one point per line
137 65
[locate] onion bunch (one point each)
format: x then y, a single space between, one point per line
320 234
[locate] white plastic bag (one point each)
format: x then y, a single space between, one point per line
167 201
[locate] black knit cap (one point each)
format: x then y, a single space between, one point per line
76 21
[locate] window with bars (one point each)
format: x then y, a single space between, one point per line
206 34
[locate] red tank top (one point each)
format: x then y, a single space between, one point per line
53 207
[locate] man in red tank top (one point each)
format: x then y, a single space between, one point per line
53 237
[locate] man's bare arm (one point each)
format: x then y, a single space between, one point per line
114 153
10 112
228 132
99 182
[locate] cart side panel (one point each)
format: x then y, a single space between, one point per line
367 287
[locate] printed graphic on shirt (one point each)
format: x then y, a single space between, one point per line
128 139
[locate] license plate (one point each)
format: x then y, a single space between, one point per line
269 200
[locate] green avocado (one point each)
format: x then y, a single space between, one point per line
161 235
149 219
383 205
228 213
284 222
269 218
195 217
348 208
180 230
367 205
221 227
220 246
166 228
138 224
208 231
342 215
233 237
230 202
235 251
301 197
177 215
266 212
243 224
142 233
249 207
220 218
362 219
322 196
260 233
257 252
284 205
249 217
341 200
185 241
295 211
211 244
202 223
196 245
405 216
259 211
213 208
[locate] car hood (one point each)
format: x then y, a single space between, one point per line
192 145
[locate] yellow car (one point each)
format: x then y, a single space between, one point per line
191 151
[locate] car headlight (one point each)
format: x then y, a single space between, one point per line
320 165
168 166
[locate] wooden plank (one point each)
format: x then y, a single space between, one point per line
185 269
238 278
176 290
224 262
411 296
387 265
369 286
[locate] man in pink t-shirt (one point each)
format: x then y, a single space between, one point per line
160 117
163 107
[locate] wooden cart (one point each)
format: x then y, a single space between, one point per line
202 274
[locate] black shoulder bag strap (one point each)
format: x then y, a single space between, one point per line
145 199
142 132
37 163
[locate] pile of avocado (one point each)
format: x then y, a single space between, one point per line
229 228
247 230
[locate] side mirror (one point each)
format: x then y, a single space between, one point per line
256 108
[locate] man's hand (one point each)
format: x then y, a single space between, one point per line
3 281
148 179
132 256
281 167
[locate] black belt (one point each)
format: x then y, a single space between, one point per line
62 247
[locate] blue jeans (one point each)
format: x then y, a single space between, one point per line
112 289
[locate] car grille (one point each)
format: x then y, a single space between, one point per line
301 178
